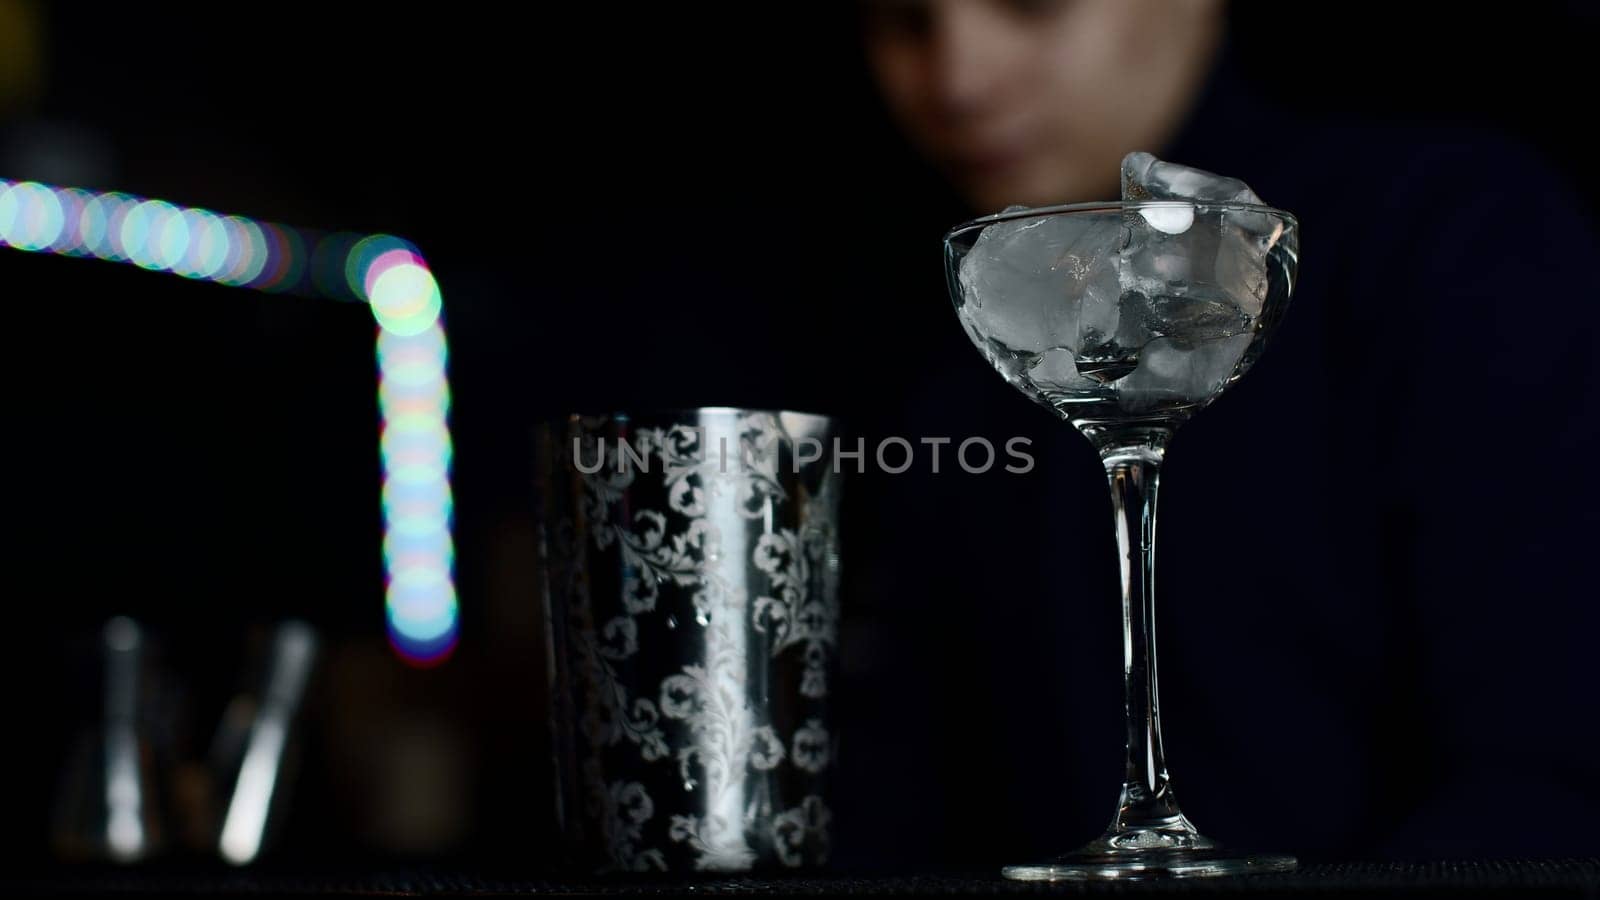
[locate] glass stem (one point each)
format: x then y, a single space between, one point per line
1147 814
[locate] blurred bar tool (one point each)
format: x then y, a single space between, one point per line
108 808
250 758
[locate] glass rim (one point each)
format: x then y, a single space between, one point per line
1106 206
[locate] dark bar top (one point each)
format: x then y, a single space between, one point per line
1481 878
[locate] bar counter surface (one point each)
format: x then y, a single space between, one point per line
1480 878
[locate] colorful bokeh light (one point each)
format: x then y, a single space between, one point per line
383 271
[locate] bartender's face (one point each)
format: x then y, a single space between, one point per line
1036 101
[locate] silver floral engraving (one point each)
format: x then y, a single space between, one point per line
811 751
796 615
609 715
724 740
690 557
794 829
625 808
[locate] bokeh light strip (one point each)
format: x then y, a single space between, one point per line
385 272
418 546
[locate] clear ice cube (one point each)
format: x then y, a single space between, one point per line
1029 283
1156 306
1055 372
1185 320
1170 371
1226 260
1146 178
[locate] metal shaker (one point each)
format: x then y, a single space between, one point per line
690 572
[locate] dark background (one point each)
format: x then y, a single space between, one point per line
624 208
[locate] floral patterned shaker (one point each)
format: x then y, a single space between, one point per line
690 571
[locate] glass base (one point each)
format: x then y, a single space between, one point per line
1097 861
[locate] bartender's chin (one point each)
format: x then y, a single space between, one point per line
991 195
992 188
989 185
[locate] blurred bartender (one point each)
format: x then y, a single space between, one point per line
1376 604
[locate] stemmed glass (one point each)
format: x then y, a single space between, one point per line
1126 319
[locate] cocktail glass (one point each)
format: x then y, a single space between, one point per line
1126 319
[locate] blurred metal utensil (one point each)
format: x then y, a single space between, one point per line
108 808
252 745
